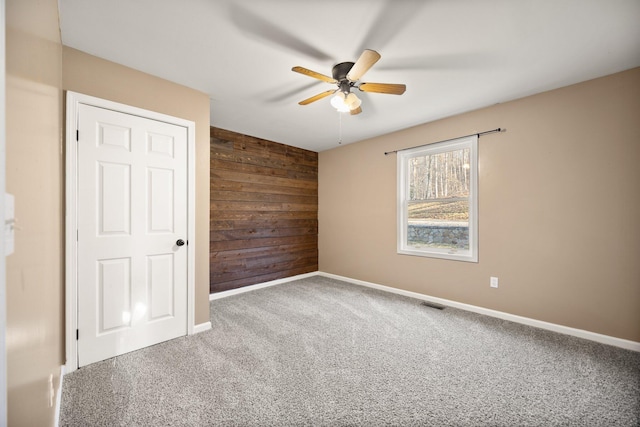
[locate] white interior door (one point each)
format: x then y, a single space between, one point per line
132 219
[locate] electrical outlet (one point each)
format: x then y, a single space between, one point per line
493 282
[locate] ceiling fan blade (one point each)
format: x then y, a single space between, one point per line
437 62
362 65
264 30
393 89
317 97
356 111
392 17
277 94
313 74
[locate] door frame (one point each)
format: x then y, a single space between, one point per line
73 102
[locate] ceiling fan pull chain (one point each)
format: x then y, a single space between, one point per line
339 128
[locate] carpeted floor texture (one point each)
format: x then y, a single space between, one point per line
319 352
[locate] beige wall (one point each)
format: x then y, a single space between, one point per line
559 209
93 76
35 60
34 173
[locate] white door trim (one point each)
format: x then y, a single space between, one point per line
74 100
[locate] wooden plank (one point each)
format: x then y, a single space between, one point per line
222 256
252 168
258 233
234 284
257 243
290 155
220 145
217 164
261 206
238 269
304 258
231 265
261 216
228 175
222 185
276 222
217 195
289 162
242 273
235 157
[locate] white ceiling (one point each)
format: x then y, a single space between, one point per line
453 55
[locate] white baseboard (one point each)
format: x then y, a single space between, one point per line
580 333
250 288
201 327
59 397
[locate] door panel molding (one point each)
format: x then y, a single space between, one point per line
73 102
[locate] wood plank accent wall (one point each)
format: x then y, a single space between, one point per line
264 211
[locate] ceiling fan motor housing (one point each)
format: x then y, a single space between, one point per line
340 72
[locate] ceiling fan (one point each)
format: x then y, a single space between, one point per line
346 76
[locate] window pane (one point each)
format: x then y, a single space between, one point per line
438 200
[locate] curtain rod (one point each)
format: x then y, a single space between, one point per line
451 139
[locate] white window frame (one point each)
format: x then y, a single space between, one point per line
470 255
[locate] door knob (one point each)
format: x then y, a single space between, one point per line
180 242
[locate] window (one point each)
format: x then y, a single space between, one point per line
438 200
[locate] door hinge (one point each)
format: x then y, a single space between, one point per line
77 135
77 334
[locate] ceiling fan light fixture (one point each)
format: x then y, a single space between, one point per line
339 102
345 102
344 108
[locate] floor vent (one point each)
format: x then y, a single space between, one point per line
432 305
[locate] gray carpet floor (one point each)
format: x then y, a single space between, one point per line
319 352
